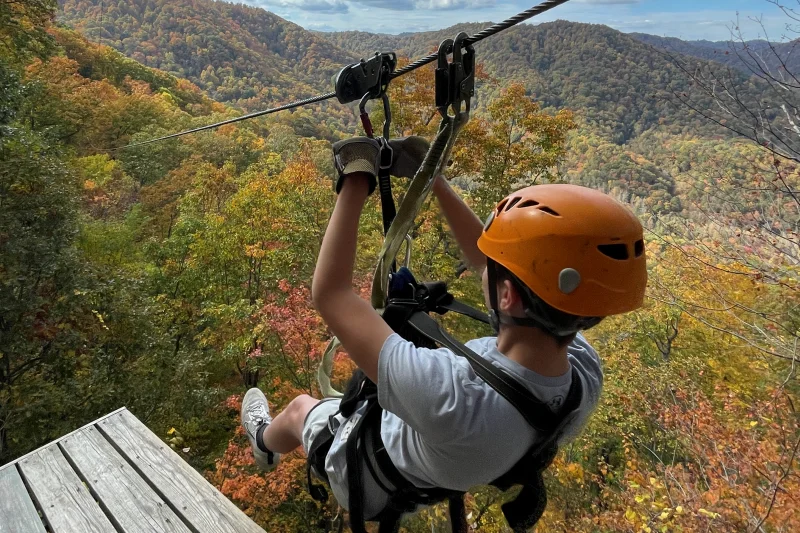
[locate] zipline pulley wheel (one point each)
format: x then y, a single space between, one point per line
365 77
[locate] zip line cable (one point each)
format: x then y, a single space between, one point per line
311 100
483 34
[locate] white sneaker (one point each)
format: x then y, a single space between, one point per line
255 413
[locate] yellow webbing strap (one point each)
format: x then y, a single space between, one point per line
418 191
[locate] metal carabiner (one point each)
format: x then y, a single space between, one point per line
387 115
462 77
366 123
455 80
365 120
442 77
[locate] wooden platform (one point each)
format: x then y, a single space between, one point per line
113 475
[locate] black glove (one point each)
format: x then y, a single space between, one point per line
359 154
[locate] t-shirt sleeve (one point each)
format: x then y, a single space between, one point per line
587 362
428 389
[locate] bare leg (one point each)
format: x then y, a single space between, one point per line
285 433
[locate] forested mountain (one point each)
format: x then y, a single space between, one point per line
170 277
240 54
251 58
741 55
620 85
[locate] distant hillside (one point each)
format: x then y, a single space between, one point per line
620 85
741 56
248 57
239 54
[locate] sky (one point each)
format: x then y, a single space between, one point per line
686 19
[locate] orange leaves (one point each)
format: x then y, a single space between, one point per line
293 337
516 146
257 493
723 474
698 440
292 318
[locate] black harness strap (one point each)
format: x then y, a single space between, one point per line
527 508
355 472
464 309
388 208
316 460
407 313
536 412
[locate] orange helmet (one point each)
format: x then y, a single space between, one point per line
577 249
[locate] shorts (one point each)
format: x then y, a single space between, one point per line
317 419
330 463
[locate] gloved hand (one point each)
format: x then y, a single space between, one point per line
362 154
407 155
359 154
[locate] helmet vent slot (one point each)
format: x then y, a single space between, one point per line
514 201
501 205
528 203
549 211
638 248
614 251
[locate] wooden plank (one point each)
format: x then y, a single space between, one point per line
17 512
63 498
194 498
124 494
90 424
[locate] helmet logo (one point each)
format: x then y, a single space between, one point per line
568 280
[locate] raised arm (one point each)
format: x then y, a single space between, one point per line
464 223
360 329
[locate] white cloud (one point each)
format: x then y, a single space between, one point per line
317 6
454 4
397 16
603 2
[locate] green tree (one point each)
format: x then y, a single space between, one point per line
39 268
515 146
23 28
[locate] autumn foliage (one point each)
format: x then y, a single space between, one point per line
170 277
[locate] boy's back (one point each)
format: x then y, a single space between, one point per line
445 427
555 260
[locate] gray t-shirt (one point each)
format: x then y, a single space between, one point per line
443 426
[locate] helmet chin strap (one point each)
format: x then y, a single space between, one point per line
495 316
533 319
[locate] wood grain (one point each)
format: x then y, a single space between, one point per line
193 497
136 508
17 512
63 498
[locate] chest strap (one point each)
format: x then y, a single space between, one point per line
408 315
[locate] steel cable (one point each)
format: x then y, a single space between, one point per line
298 103
483 34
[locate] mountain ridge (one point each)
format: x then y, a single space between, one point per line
251 58
616 82
741 55
240 54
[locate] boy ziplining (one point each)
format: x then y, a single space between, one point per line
555 260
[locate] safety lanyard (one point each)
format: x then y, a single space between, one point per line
454 89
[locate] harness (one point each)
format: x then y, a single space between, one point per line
406 305
408 314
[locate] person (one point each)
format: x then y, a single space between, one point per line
555 259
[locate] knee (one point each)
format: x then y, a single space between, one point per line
300 406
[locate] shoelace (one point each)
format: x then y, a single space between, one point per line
258 414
